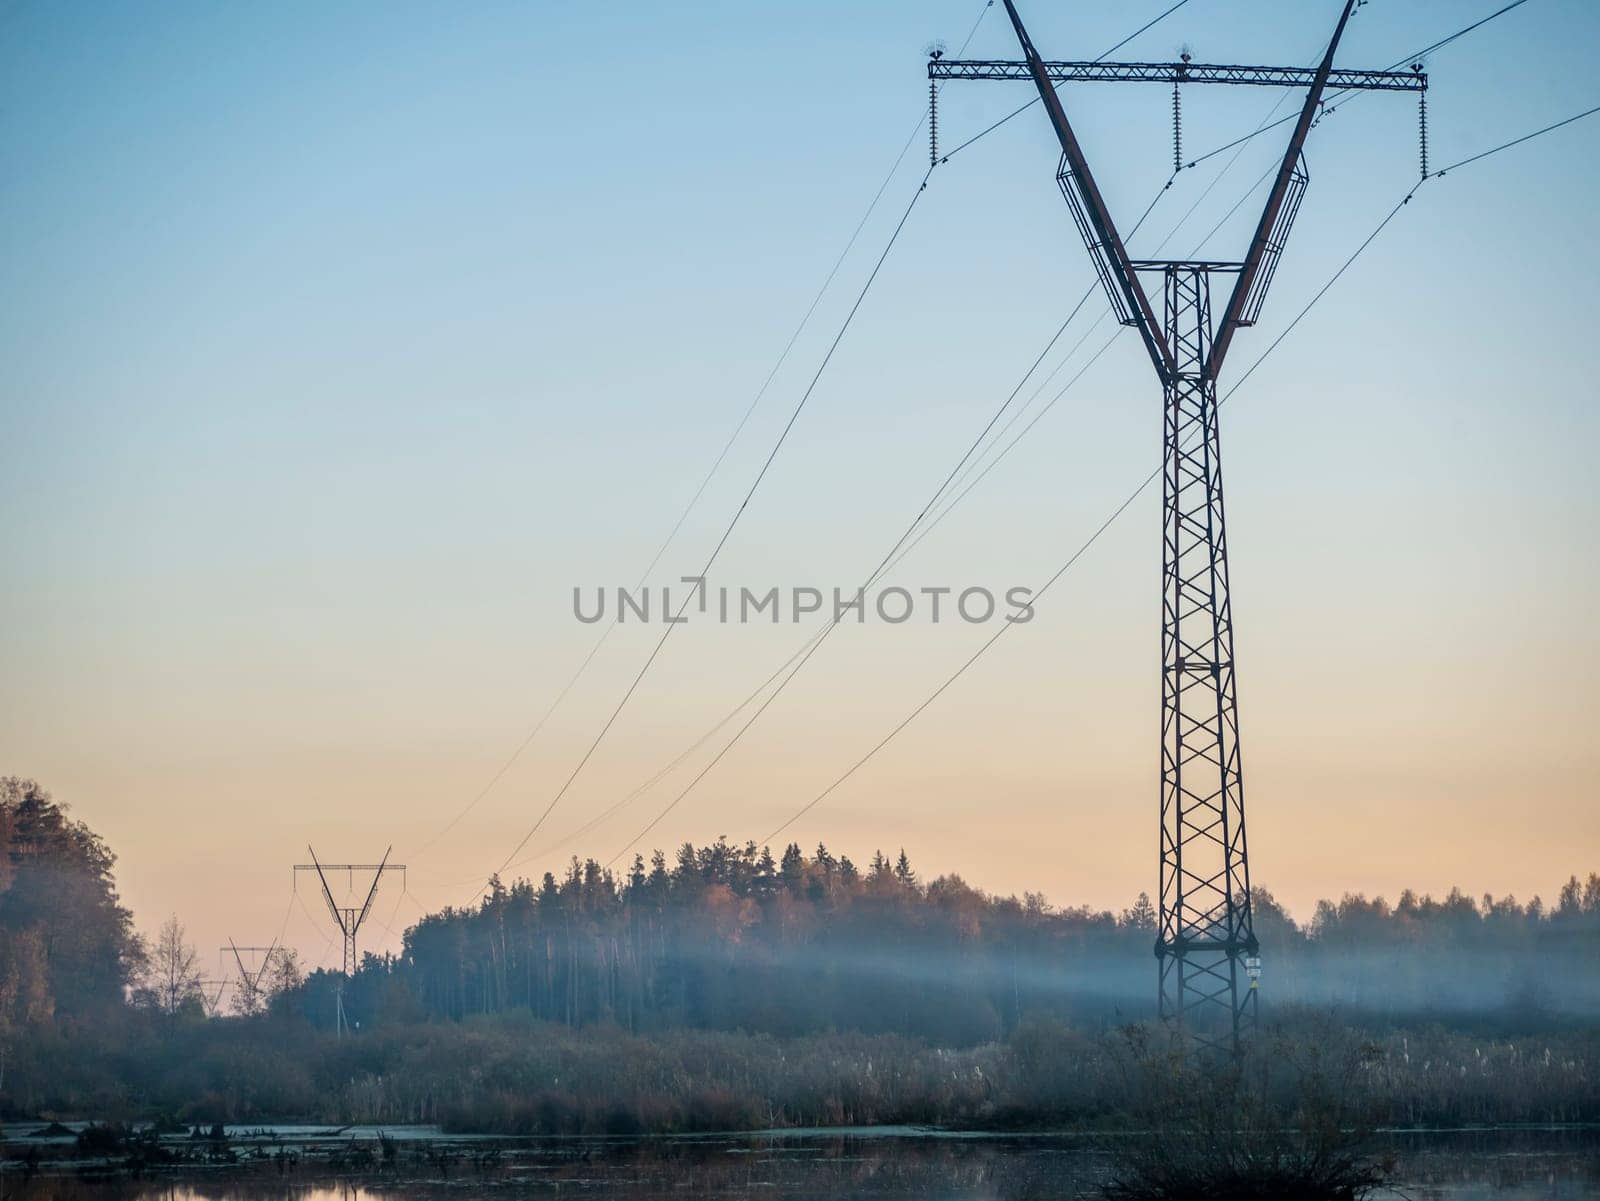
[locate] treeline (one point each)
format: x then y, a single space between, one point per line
731 938
726 937
733 987
67 946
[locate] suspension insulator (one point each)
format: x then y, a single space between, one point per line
1177 131
1422 130
933 123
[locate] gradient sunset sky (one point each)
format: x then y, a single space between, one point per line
342 342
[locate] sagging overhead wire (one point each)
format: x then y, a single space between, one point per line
1129 500
806 651
727 533
1039 592
1105 346
1154 475
705 482
1445 41
661 774
1051 403
902 546
812 647
796 662
1442 171
583 761
893 556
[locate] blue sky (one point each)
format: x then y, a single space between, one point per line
342 342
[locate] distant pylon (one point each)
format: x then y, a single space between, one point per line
348 918
247 993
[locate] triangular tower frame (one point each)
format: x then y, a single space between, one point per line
1206 945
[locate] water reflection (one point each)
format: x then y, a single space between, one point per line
1493 1166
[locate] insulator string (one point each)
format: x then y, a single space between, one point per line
1177 129
1422 130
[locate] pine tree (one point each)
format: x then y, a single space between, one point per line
1571 903
826 862
903 872
1142 916
794 865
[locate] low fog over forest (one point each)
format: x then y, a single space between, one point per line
788 959
729 938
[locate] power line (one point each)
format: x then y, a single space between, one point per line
328 942
884 564
1151 23
782 437
822 630
805 652
799 661
584 760
1172 233
1427 50
660 774
1589 112
728 532
1023 433
1051 403
1041 591
1154 475
1332 108
694 500
1083 549
893 558
901 548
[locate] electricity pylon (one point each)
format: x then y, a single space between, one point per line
1205 927
211 991
248 992
349 919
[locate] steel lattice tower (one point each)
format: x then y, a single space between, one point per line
1205 940
349 919
1205 921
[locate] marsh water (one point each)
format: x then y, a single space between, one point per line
287 1164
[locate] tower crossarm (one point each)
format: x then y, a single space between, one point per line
1342 79
347 867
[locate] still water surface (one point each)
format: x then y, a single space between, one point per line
1545 1165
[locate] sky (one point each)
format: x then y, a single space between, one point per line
341 343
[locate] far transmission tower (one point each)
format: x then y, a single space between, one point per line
247 993
1205 920
211 990
349 919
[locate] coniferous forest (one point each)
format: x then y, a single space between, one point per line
733 987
